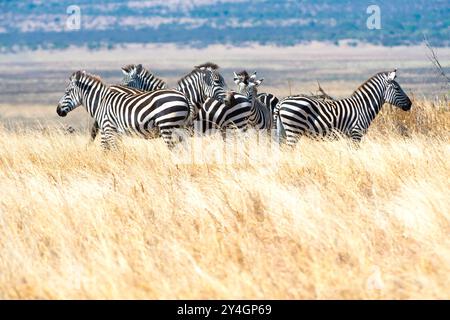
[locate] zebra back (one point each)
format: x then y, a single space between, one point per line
125 89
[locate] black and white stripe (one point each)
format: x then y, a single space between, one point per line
300 115
269 100
116 88
136 80
200 84
135 76
121 112
215 115
261 113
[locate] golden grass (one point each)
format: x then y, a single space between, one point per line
324 220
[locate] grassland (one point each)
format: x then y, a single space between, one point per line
39 77
323 220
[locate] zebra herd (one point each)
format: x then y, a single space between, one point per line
201 103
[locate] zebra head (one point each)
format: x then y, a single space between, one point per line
253 84
132 75
241 79
247 84
394 94
135 76
213 83
72 97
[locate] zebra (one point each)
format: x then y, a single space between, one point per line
117 88
136 80
322 95
261 115
233 113
268 99
238 111
200 84
135 76
299 115
213 114
120 112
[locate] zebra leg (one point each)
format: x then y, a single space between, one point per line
356 135
192 115
94 130
292 138
108 140
280 132
169 136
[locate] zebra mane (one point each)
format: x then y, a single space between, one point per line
145 73
244 75
207 65
377 75
82 73
128 67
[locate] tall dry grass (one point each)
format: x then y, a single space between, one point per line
323 220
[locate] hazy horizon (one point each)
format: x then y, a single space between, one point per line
35 24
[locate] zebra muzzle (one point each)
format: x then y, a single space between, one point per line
61 112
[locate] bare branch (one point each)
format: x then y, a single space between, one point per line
432 56
323 93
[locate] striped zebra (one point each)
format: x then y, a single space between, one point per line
136 80
117 88
301 115
120 112
261 113
232 112
267 99
200 84
135 76
214 115
321 95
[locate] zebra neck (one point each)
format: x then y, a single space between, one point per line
258 110
150 83
93 96
367 100
193 88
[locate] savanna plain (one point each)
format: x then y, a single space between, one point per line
326 219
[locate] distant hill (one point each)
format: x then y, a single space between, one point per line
107 23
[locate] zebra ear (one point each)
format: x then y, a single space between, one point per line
392 75
125 72
253 76
139 68
77 75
